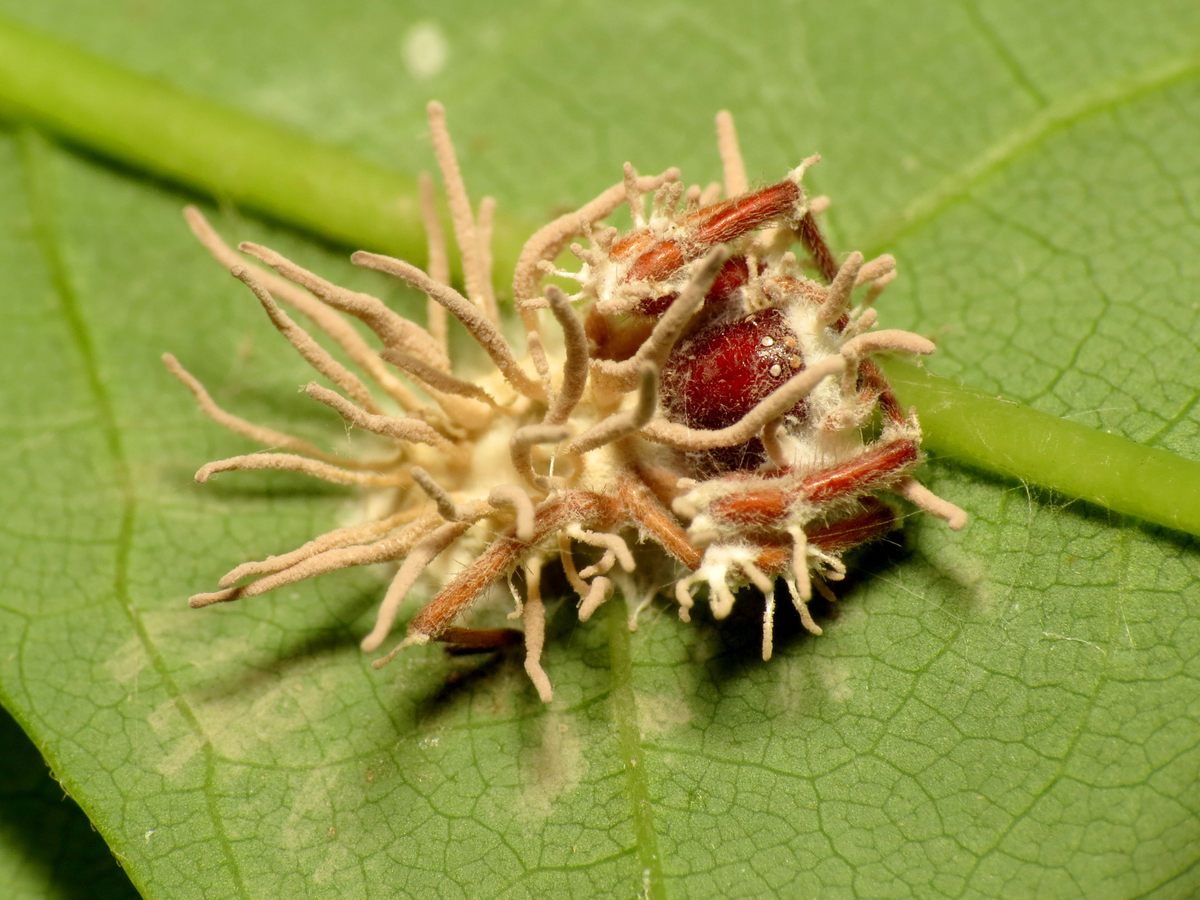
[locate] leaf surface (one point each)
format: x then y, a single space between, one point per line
1010 710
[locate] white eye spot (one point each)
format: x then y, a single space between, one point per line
424 50
768 341
776 370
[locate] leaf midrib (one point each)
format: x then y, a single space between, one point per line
629 744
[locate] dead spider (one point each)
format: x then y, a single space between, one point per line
700 391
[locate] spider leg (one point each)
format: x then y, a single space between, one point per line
585 508
469 641
884 468
822 514
712 225
880 467
870 378
768 505
644 510
871 519
810 236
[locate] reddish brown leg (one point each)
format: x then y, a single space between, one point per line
874 469
642 508
713 225
761 506
468 641
872 520
871 378
588 509
810 236
726 221
878 468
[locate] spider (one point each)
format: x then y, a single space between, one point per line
703 390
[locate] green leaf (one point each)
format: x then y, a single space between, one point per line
1009 710
47 846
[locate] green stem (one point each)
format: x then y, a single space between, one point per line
214 149
1008 438
336 195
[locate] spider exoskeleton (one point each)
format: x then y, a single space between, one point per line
703 392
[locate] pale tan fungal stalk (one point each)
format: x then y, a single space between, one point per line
516 499
575 362
351 535
441 498
325 318
880 267
312 352
401 428
838 301
268 437
628 435
438 265
483 231
736 182
549 240
395 331
920 496
476 270
772 443
291 462
768 628
521 450
435 380
599 591
535 637
710 194
888 339
415 563
398 545
485 332
624 423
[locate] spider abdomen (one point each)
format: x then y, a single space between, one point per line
715 377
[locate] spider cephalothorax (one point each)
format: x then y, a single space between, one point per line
704 391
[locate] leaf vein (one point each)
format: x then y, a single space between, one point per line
629 743
39 196
1034 131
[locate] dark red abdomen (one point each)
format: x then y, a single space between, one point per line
716 376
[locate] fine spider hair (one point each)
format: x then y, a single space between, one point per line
593 444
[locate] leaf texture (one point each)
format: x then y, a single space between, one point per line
1008 711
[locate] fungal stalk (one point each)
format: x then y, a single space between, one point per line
703 393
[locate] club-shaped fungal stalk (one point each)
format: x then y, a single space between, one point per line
710 402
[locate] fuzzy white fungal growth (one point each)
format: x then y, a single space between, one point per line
708 402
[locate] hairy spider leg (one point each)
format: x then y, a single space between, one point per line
878 468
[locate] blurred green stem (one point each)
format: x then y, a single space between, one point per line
219 151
